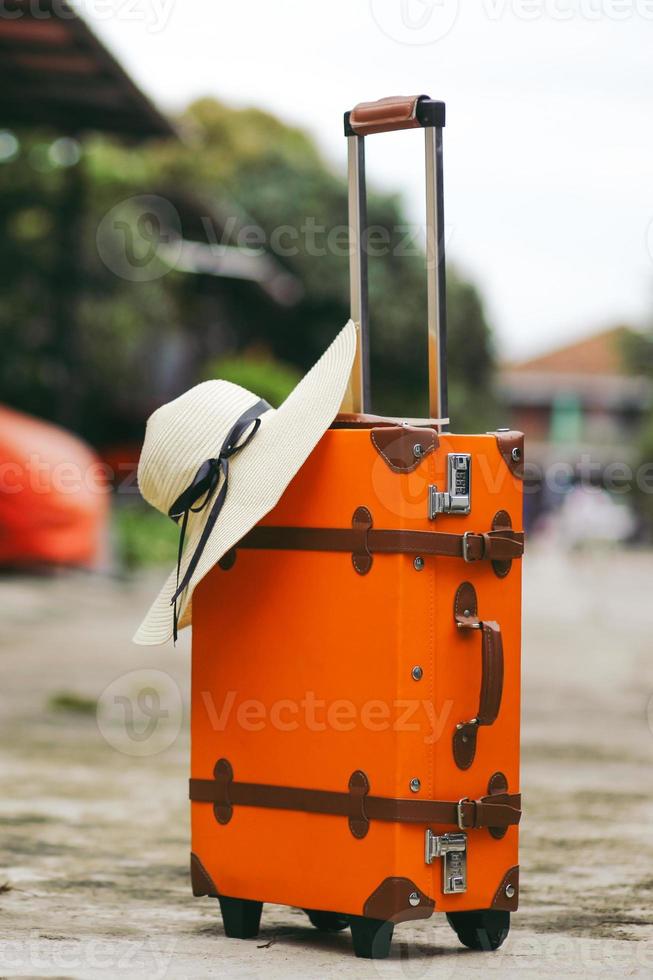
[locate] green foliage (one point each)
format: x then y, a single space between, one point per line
98 352
266 377
144 537
72 703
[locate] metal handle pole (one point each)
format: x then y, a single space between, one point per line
358 395
436 276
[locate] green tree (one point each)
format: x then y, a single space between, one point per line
130 344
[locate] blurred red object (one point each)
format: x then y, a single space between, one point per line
54 495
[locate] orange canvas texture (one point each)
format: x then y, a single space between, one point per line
303 672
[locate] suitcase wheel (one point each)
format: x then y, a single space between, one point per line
240 916
484 930
327 921
371 937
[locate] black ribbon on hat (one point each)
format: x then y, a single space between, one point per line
197 496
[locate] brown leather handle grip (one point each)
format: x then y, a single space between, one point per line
385 115
466 617
492 676
394 113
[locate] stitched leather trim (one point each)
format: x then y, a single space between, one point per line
497 786
390 902
501 520
224 776
511 447
485 812
359 787
492 545
200 879
464 744
501 900
361 523
396 446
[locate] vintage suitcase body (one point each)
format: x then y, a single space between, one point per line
356 677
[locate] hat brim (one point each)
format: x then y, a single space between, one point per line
259 475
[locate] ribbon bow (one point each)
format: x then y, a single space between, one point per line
197 496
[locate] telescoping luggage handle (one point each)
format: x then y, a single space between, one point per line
387 115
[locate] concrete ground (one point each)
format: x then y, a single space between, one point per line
94 816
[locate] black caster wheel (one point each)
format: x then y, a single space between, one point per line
327 921
484 930
371 937
240 916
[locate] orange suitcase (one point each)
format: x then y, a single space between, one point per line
355 720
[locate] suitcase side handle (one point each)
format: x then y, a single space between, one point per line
386 115
466 617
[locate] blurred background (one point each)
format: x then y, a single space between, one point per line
173 208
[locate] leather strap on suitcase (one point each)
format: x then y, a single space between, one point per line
497 545
497 811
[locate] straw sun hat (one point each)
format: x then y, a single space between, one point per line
218 458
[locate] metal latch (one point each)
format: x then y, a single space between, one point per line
452 848
456 498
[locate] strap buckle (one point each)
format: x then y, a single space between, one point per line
460 814
465 546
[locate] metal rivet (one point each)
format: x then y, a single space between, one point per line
465 738
516 454
415 785
419 564
413 898
467 612
418 450
459 725
510 891
417 673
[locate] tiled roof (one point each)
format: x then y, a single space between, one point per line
600 354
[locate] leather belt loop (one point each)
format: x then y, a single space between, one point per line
359 787
224 776
361 523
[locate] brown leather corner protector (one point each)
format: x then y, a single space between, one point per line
224 776
511 447
361 523
359 787
501 522
391 902
506 896
404 447
200 880
497 786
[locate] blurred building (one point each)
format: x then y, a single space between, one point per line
582 410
